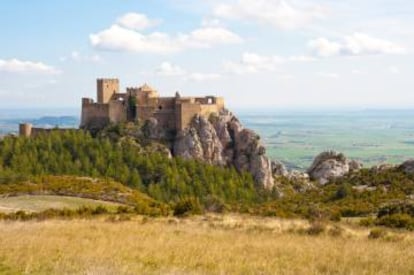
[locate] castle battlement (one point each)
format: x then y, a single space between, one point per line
143 103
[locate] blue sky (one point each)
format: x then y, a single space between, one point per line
256 53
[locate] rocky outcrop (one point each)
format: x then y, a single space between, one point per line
278 169
199 141
222 140
330 165
407 166
381 167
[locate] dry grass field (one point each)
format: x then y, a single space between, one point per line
228 244
39 203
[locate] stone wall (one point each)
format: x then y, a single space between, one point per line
206 110
27 130
173 113
117 111
185 113
94 115
106 88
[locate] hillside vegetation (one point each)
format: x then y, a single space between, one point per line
126 161
141 175
37 203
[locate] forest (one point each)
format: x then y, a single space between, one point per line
192 187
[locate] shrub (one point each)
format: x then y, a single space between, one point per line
397 221
100 210
316 228
336 231
214 204
344 190
188 206
335 216
399 208
377 233
314 213
367 222
122 209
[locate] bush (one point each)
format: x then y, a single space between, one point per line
336 231
316 228
100 210
122 209
399 208
214 204
188 206
377 233
397 221
344 190
367 222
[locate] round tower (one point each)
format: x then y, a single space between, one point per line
25 129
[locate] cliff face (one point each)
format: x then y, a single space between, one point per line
222 140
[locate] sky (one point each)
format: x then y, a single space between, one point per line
270 54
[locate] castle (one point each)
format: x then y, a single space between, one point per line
141 103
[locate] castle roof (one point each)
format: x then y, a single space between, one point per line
147 88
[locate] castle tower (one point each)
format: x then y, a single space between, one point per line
25 129
106 88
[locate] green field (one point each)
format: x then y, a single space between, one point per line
29 203
371 136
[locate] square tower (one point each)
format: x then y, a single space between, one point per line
106 88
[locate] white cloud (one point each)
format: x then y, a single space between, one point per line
118 38
394 70
324 47
328 75
171 70
355 44
357 72
19 66
210 22
206 37
136 21
202 76
168 69
253 63
277 13
302 58
360 43
78 57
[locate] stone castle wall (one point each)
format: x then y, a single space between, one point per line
94 115
117 111
172 113
106 88
185 113
27 130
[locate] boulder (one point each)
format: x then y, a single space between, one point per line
382 167
278 169
331 165
407 166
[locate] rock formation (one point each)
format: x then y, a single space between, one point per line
330 165
222 140
407 166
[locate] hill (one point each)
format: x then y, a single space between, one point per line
38 203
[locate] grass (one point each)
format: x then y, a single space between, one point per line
229 244
29 203
86 188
